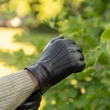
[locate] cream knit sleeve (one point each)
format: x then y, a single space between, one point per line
14 90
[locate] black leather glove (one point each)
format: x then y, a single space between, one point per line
60 58
32 103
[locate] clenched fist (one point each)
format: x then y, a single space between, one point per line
60 58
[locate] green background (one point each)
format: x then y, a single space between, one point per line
84 21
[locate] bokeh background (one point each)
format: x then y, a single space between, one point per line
27 25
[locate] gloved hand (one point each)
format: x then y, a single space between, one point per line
32 103
60 58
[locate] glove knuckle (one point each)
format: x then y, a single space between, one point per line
78 48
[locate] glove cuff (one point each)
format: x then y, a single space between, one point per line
42 75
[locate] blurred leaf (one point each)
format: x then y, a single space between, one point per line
87 72
106 34
103 59
106 37
108 46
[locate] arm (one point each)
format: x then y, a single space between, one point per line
33 102
59 59
15 89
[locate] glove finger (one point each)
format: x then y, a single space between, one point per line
32 101
29 105
77 56
74 47
34 108
34 96
81 66
67 41
82 57
55 39
52 41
